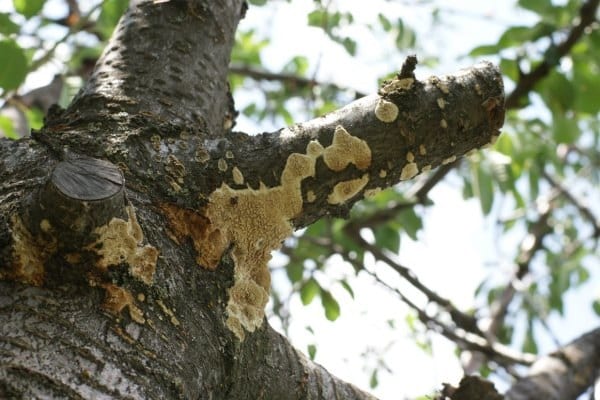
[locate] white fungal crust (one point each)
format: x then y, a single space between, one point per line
344 191
386 111
410 170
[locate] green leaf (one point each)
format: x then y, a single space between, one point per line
7 27
330 305
387 237
558 92
7 129
309 290
28 8
373 381
586 85
564 129
485 50
410 222
485 190
317 18
294 271
349 45
312 351
348 288
111 12
537 6
596 306
510 69
530 345
385 22
257 2
13 65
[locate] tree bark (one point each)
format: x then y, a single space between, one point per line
136 226
564 374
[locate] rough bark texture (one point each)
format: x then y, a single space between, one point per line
163 295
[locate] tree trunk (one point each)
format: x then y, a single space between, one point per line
136 226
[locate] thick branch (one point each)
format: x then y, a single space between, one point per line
169 59
406 131
562 375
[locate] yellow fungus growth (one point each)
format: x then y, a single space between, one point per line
238 178
118 298
29 253
409 171
222 164
448 160
344 191
441 103
346 149
120 241
253 222
382 173
410 157
386 111
397 85
422 149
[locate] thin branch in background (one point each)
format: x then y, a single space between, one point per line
585 211
526 83
498 353
287 79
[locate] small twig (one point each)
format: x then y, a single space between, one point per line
585 211
290 79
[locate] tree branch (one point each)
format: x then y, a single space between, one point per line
587 15
169 59
562 375
287 79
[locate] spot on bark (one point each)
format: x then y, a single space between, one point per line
409 171
344 191
237 176
386 111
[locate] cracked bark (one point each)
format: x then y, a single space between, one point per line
158 108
